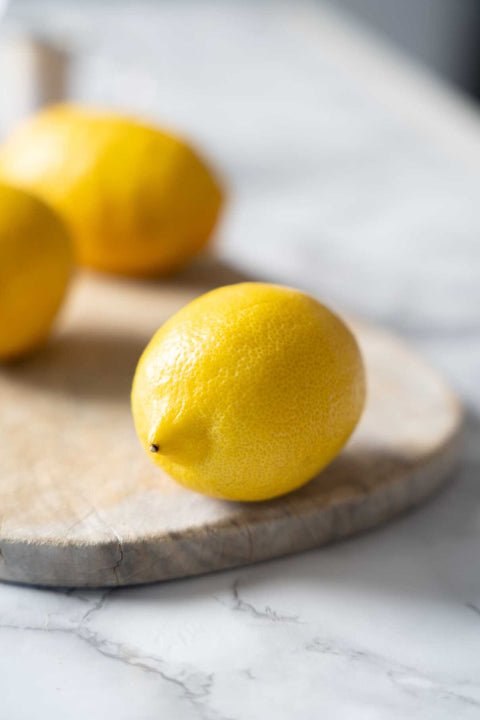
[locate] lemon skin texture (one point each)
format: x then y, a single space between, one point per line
35 265
138 201
248 391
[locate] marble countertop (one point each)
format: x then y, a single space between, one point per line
356 177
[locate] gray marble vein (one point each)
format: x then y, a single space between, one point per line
334 191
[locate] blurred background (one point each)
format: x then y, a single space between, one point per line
347 131
442 34
348 134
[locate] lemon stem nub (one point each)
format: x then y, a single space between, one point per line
154 448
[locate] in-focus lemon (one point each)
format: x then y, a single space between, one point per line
35 264
248 391
138 201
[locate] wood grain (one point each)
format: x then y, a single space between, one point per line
82 505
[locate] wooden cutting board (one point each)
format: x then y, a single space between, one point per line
82 505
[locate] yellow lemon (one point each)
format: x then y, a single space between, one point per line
35 264
138 201
248 391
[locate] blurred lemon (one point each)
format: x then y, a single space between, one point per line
248 391
35 264
138 201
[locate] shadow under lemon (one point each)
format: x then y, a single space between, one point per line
107 323
70 433
73 402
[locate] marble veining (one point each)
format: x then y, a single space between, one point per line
199 692
332 192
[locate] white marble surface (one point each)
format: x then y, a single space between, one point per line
369 197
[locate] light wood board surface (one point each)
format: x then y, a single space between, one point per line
82 505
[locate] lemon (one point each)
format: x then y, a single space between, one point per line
248 391
138 201
35 264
